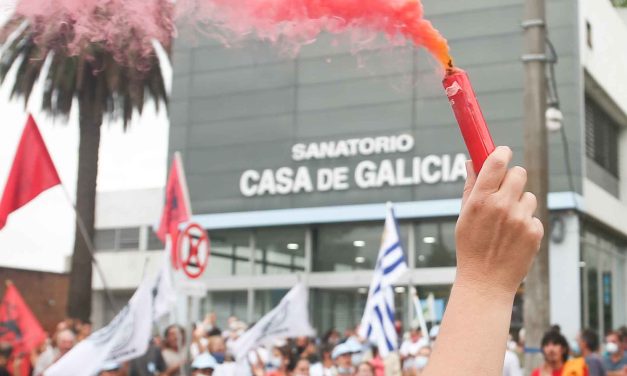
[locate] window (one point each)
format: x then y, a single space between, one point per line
117 239
104 240
280 250
128 238
435 244
601 137
230 253
154 243
225 304
350 247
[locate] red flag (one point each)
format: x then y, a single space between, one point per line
177 208
32 172
18 325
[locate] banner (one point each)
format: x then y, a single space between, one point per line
126 337
18 325
290 318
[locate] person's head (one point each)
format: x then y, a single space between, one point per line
554 347
415 334
332 337
588 341
623 332
301 367
65 340
365 369
84 329
301 343
614 343
217 348
325 354
203 365
343 358
173 337
279 359
110 369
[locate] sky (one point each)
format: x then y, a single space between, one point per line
40 235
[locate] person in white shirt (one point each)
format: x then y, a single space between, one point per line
411 346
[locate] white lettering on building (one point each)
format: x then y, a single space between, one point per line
367 174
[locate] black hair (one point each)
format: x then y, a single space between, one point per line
591 339
180 328
555 337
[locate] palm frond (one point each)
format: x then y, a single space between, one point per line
95 75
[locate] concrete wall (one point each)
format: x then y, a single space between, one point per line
605 77
243 107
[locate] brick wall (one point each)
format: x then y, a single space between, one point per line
45 293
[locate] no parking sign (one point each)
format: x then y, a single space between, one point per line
193 250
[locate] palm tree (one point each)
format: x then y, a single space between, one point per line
102 86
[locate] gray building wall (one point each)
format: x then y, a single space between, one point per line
243 107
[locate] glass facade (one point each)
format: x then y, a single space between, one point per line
345 253
280 251
343 249
230 253
435 244
349 247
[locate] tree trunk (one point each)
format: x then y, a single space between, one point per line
80 292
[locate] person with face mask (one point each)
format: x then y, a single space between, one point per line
615 361
217 348
278 362
342 356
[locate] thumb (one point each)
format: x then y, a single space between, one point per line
470 181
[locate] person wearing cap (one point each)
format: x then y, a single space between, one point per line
110 369
342 356
203 365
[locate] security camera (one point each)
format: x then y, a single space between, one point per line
554 119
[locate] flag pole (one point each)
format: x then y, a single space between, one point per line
419 313
90 248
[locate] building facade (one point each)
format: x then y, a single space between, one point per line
290 161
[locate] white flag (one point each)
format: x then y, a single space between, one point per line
419 313
126 337
430 314
163 290
288 319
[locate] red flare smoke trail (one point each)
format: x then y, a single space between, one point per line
76 23
300 21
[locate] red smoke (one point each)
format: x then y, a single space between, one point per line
296 22
127 27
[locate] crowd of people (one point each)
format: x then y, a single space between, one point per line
585 355
207 351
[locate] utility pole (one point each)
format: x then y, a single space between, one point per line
536 315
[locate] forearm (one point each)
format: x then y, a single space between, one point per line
473 333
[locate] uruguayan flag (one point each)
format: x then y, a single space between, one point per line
377 324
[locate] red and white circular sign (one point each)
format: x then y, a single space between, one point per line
193 249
